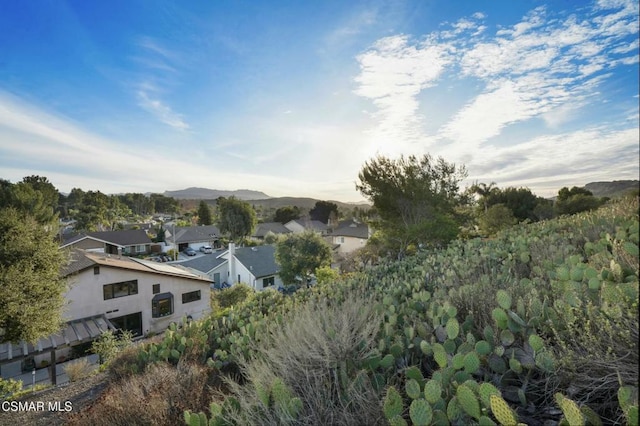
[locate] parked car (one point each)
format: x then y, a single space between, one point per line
189 251
206 249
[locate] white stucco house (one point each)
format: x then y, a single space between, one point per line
111 292
254 266
133 294
349 236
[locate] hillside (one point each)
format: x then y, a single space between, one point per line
613 189
211 194
535 324
303 203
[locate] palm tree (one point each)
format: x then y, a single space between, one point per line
484 190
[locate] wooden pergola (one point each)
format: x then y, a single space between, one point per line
74 333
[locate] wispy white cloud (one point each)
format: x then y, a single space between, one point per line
393 72
163 112
36 141
530 69
158 67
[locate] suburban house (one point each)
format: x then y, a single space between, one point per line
136 295
192 236
129 242
302 225
108 292
254 266
349 235
262 229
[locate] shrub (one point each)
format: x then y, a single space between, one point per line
232 296
9 387
108 345
314 354
77 370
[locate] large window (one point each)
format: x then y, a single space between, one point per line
125 288
132 322
192 296
268 282
162 305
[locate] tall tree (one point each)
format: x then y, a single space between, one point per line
164 204
484 191
287 214
41 184
92 212
322 211
299 255
235 218
204 214
31 296
521 201
415 198
576 200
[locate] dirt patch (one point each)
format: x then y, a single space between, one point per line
75 397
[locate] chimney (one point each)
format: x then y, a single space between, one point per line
232 262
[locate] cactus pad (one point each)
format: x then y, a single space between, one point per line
468 401
420 412
502 412
432 391
412 387
570 410
504 299
392 403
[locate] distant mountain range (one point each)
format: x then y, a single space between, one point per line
212 194
258 198
613 189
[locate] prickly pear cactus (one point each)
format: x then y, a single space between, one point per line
570 410
392 405
420 412
502 412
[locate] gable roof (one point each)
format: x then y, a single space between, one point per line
81 260
130 237
260 260
190 234
276 227
204 263
315 225
351 228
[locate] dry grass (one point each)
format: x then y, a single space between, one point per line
78 370
159 397
315 354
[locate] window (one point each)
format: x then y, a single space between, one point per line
162 305
125 288
96 270
268 282
341 240
156 288
192 296
132 322
141 248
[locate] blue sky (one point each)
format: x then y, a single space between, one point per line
291 98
